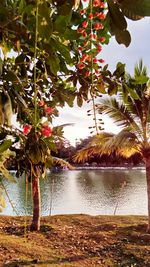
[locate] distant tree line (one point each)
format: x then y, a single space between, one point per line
66 151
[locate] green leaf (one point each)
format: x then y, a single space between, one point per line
54 64
116 15
66 9
137 7
140 80
101 87
123 37
60 24
63 50
20 99
12 77
45 25
71 34
124 93
132 93
120 70
112 89
79 100
51 145
6 174
5 145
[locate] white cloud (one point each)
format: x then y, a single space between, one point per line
112 53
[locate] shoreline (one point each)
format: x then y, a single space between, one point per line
109 168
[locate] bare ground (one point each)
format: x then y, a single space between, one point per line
75 241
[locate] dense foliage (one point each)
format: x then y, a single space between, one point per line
49 57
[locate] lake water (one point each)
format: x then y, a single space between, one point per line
83 191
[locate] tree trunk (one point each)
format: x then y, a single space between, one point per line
35 226
147 163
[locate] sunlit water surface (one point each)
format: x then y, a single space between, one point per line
83 191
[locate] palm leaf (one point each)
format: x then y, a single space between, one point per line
118 112
124 144
140 69
83 154
63 163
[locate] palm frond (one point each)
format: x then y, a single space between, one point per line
140 69
63 163
124 144
118 112
100 138
83 154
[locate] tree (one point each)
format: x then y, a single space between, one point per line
130 109
39 77
46 36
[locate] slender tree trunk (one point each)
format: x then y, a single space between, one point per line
35 226
147 163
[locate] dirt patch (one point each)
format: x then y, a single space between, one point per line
75 241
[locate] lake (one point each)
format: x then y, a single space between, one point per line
92 192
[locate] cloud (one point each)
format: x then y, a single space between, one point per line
112 53
139 47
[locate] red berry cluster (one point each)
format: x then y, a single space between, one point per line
91 31
47 110
44 130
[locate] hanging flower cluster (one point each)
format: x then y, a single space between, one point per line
45 130
47 110
92 37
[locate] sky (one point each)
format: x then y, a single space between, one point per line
112 53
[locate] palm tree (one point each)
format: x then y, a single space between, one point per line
130 109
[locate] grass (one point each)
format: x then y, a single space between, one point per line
75 241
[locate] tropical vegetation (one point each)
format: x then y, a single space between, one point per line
48 57
130 110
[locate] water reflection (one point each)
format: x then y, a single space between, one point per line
84 191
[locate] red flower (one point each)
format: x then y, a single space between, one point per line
84 57
26 129
46 131
101 15
102 39
85 24
85 43
81 66
80 48
82 12
102 5
88 73
91 16
84 34
95 60
93 36
41 103
96 3
48 110
99 48
80 30
101 60
98 26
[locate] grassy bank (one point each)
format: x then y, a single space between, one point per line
75 240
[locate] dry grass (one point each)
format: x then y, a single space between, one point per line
75 241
